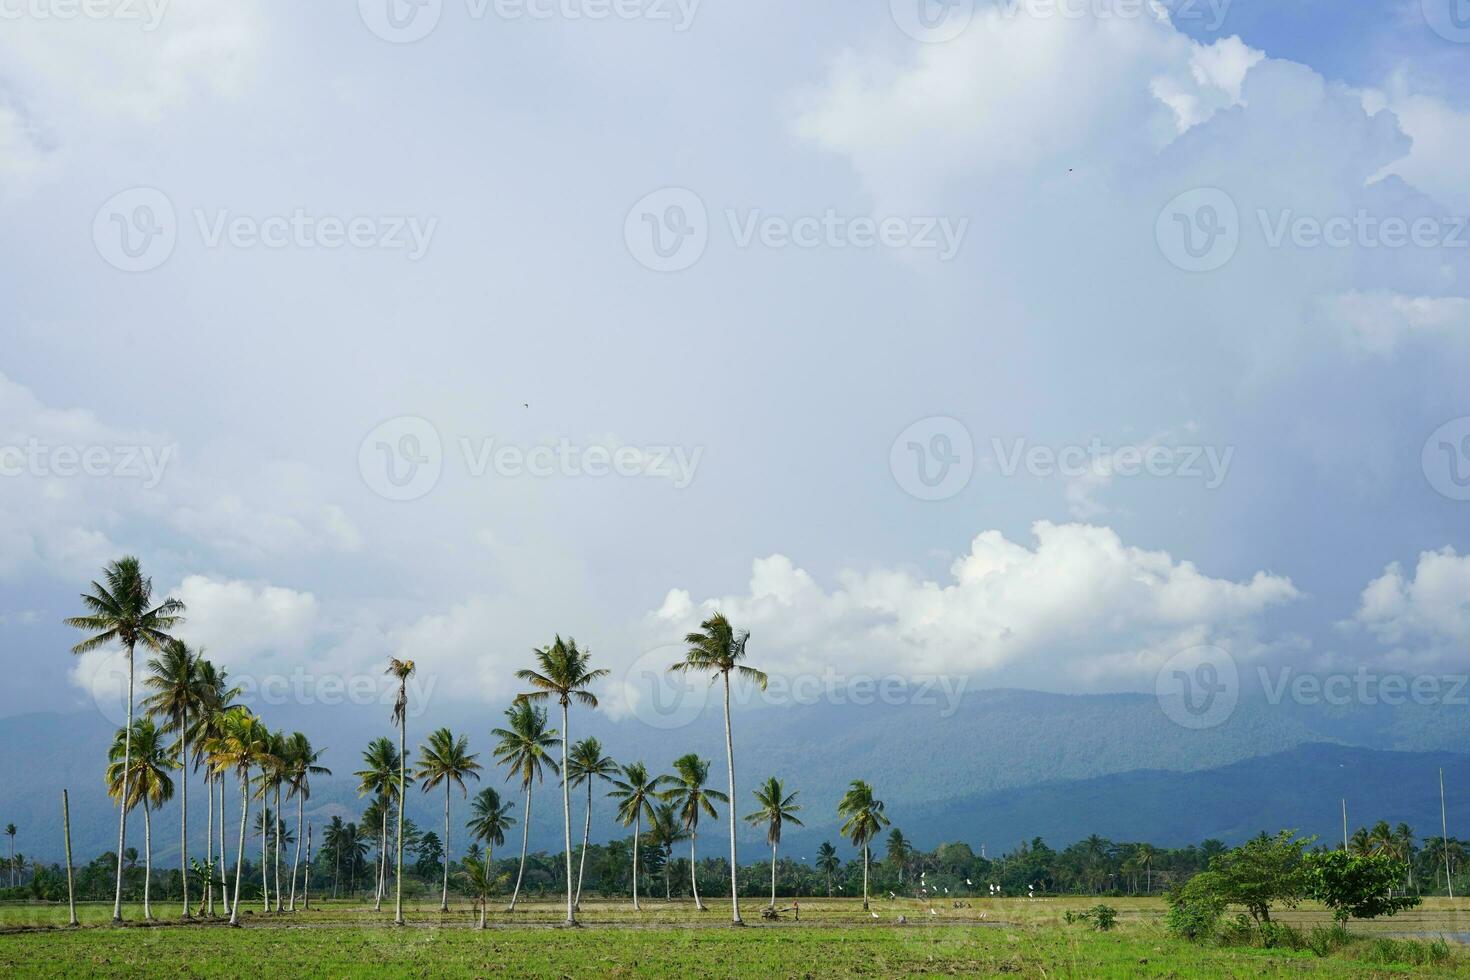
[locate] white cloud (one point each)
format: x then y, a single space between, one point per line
239 621
1080 610
1379 322
1441 142
1424 617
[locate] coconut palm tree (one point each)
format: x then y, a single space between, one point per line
587 764
10 832
138 772
776 808
301 765
635 793
690 796
524 747
401 671
828 863
900 851
478 875
217 698
243 743
173 677
490 821
122 611
864 819
381 764
448 760
334 839
1404 835
272 777
563 672
664 831
718 648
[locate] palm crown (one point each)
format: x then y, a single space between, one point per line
689 794
719 647
379 775
864 814
635 793
562 672
525 745
445 759
122 610
776 808
491 817
148 779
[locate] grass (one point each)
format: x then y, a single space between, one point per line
835 937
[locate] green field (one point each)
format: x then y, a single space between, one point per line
1016 937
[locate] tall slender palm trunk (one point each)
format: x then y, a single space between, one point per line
209 843
382 861
773 874
306 882
402 799
147 862
582 864
296 861
122 810
265 873
240 853
444 895
636 817
566 808
865 877
525 835
336 866
184 807
224 891
730 761
279 826
694 872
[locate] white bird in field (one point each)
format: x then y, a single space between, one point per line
932 912
968 881
873 914
946 889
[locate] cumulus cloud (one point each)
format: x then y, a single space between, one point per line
1078 610
1423 617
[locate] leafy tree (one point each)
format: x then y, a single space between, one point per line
828 863
690 797
174 679
381 763
1356 886
864 818
586 765
138 772
776 808
635 794
1262 872
523 747
448 760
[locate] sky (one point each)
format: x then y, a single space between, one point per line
1038 344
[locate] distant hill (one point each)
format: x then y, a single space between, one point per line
1005 765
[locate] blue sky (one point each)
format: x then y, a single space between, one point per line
503 291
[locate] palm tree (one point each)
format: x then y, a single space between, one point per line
490 822
243 742
479 875
718 647
1362 842
10 832
401 671
448 760
272 777
635 794
664 831
564 673
334 839
1146 854
217 698
173 676
1404 834
586 764
381 763
900 851
524 748
776 808
138 772
864 818
829 863
689 795
301 765
122 611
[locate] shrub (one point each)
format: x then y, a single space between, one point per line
1100 917
1195 909
1356 886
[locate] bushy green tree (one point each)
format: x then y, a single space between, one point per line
1356 886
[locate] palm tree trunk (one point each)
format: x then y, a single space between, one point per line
694 873
730 762
296 861
382 861
306 881
224 892
122 814
444 896
147 862
402 799
586 838
184 807
773 874
636 818
240 855
209 843
280 825
265 875
566 807
865 877
336 863
525 835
